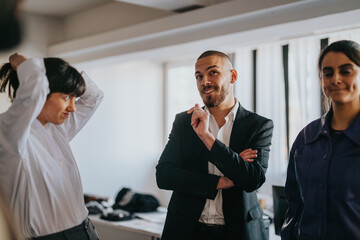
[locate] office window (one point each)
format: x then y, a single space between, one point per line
243 88
181 92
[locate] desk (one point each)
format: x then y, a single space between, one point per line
148 226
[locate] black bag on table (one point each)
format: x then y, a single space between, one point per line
127 200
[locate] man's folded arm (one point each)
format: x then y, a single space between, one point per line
249 176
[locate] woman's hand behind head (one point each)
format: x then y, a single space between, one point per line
16 59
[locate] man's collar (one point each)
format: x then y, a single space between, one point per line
231 115
233 111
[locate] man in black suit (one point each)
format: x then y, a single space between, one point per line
213 185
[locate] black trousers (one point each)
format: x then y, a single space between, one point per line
209 232
84 231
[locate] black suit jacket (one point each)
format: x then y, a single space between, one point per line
183 168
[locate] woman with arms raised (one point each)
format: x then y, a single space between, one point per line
37 168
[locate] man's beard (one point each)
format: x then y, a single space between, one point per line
214 101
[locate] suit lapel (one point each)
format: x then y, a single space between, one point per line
239 127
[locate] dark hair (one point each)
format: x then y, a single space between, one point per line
350 48
214 53
61 76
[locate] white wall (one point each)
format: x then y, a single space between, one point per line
121 144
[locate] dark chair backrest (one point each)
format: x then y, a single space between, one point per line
280 207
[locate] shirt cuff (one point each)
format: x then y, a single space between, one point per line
91 89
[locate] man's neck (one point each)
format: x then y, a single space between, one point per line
221 111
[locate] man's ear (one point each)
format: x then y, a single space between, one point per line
233 76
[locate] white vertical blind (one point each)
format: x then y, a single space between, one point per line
304 89
270 103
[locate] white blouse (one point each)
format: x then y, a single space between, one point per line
37 168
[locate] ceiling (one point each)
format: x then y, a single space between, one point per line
63 8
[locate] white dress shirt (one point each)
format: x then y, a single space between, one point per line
37 168
213 212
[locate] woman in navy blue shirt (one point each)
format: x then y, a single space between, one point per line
323 179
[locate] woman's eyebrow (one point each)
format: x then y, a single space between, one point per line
346 65
326 69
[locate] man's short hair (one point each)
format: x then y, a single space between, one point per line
214 53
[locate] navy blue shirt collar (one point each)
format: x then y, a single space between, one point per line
352 132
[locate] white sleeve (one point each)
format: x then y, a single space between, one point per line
85 108
30 98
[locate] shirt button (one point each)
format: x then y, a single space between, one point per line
325 131
325 156
61 164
